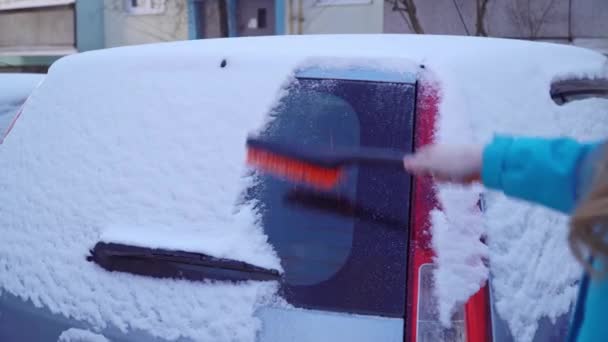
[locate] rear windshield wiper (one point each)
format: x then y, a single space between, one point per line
578 89
161 263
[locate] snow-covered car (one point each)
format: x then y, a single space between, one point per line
128 213
14 91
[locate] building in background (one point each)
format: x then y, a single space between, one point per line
129 22
132 22
579 22
334 16
235 18
34 33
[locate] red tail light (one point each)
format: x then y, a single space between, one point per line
471 322
429 328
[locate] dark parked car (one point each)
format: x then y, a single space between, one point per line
150 142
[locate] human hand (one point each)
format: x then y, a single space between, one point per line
447 163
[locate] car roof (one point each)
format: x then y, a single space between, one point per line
15 87
346 45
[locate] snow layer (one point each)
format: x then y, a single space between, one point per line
460 254
142 145
533 271
113 140
14 90
150 138
80 335
17 87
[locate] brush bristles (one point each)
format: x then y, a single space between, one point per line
293 169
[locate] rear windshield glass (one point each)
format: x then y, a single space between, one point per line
314 244
345 249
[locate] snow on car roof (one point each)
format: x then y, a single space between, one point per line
17 87
150 138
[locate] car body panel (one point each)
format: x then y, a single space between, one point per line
312 326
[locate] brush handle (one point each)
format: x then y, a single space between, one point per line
333 157
370 156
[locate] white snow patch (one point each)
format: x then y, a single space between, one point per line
533 270
14 90
462 271
534 273
80 335
17 87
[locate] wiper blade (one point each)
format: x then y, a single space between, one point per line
162 263
578 89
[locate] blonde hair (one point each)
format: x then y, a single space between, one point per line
589 224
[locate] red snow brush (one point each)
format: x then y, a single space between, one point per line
318 167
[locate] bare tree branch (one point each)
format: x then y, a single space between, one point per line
408 7
529 19
543 17
411 12
466 29
481 11
570 20
395 8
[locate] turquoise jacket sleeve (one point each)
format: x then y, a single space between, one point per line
550 172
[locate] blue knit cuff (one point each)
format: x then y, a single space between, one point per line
492 162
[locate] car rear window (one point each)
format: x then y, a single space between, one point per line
315 244
342 250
